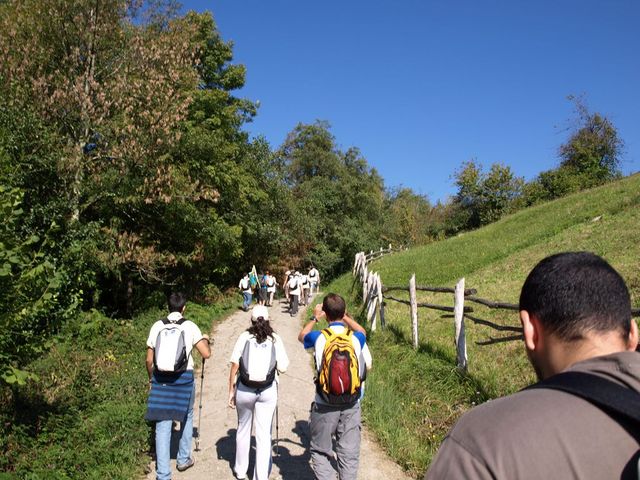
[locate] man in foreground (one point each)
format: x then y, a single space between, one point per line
575 312
335 413
172 388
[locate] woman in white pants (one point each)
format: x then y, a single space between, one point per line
253 390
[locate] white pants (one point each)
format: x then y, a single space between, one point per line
258 407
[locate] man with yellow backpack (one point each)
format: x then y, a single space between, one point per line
340 371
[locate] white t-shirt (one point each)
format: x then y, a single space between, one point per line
294 286
313 275
305 282
271 283
192 334
282 360
244 285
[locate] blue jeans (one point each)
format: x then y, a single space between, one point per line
247 300
163 443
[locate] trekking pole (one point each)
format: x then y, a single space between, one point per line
277 430
200 408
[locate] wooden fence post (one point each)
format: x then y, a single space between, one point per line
458 313
373 300
414 310
380 301
365 276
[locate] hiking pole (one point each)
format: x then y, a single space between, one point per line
200 408
277 432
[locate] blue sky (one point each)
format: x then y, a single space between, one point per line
421 86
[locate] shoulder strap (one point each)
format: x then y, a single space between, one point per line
166 321
327 333
605 394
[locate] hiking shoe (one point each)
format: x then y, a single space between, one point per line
190 463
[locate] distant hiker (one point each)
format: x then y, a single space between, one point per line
294 294
314 279
340 368
305 284
285 284
172 393
262 288
247 292
271 288
256 360
253 278
580 338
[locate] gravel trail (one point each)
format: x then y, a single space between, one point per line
214 461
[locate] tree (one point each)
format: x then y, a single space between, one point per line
103 82
590 157
483 198
593 151
146 133
337 199
408 218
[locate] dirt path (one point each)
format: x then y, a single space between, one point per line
217 441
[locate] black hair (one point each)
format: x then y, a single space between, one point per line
334 306
261 329
177 300
573 293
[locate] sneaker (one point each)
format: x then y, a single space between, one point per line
240 477
190 463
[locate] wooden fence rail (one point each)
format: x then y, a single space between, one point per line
423 288
375 295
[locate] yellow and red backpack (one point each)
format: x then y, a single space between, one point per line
338 381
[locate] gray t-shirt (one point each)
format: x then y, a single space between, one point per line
545 434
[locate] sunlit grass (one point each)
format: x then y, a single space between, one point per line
414 397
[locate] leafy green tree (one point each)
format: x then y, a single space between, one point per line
337 199
590 157
593 151
408 218
482 197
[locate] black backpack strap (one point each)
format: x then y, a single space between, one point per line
166 321
605 394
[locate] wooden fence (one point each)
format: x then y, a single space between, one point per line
374 294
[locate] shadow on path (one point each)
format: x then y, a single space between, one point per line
294 467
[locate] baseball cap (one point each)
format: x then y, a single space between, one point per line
259 311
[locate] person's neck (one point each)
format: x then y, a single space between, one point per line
563 354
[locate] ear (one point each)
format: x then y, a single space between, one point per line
531 330
632 341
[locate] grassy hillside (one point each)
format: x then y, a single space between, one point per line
413 398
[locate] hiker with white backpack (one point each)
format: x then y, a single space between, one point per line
169 364
294 288
247 292
314 279
271 288
257 358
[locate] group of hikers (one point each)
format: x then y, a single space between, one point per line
580 421
342 359
298 288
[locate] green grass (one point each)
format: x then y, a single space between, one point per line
414 397
84 418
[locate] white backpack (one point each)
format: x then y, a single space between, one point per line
258 363
170 354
